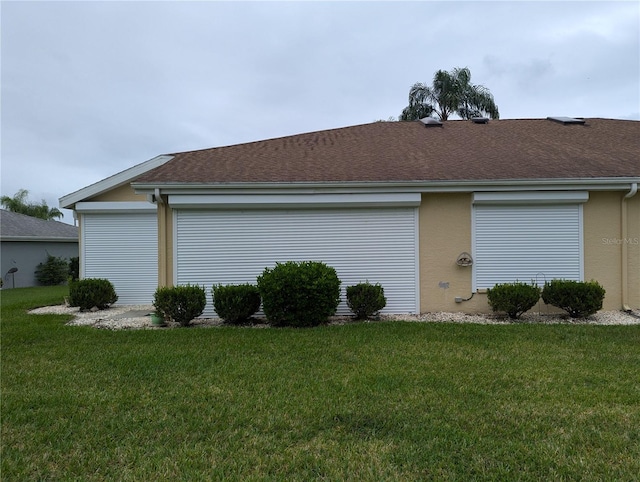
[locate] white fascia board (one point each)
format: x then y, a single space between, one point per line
585 184
600 184
274 201
527 197
115 207
67 202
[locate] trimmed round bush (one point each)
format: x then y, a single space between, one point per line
236 303
180 303
578 298
365 299
92 292
303 293
513 298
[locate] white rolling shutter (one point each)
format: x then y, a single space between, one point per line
123 248
527 242
378 245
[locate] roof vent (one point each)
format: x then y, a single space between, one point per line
431 122
566 120
479 120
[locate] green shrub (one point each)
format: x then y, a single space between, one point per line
162 299
236 303
74 268
90 292
180 303
513 298
365 299
53 271
303 293
578 298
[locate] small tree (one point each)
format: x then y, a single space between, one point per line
74 268
53 271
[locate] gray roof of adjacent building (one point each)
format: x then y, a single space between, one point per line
18 227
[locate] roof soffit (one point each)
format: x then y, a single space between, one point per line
112 182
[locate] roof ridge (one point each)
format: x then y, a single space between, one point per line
407 151
268 139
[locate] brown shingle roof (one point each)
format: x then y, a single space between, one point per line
409 151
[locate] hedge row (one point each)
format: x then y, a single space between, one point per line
578 298
292 294
308 293
303 293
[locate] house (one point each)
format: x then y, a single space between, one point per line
435 212
25 243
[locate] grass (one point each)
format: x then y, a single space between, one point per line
369 401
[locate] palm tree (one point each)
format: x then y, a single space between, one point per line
19 204
450 93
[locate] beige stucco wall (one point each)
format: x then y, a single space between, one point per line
165 244
633 251
612 242
608 249
445 232
124 193
603 261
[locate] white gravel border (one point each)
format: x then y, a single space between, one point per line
112 318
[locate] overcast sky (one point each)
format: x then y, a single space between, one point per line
92 88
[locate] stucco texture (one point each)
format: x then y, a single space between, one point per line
445 232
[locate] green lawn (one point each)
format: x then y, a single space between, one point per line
369 401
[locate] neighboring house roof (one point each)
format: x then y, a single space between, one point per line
18 227
525 149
